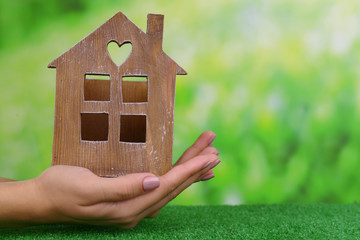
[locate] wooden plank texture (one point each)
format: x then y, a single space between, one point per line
112 126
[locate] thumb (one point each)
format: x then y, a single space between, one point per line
126 187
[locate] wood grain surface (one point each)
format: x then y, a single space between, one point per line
110 126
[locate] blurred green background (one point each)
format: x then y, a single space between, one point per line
276 80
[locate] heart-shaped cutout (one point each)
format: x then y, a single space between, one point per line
119 53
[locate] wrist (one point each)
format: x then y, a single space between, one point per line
22 204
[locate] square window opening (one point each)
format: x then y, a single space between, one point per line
134 89
94 126
133 128
97 87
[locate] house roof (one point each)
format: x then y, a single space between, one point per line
154 30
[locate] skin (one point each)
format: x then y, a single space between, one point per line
65 194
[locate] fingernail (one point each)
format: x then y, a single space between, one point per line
212 140
216 163
208 177
151 183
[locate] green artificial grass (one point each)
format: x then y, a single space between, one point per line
284 221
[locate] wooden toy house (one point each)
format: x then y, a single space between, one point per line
116 119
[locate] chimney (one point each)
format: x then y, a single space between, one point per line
155 24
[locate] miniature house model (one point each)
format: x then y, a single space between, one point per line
116 119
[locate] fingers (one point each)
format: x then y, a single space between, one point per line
124 187
209 150
128 213
206 149
186 170
204 140
209 175
168 183
194 178
206 174
153 214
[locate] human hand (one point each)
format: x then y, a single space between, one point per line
74 194
202 146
